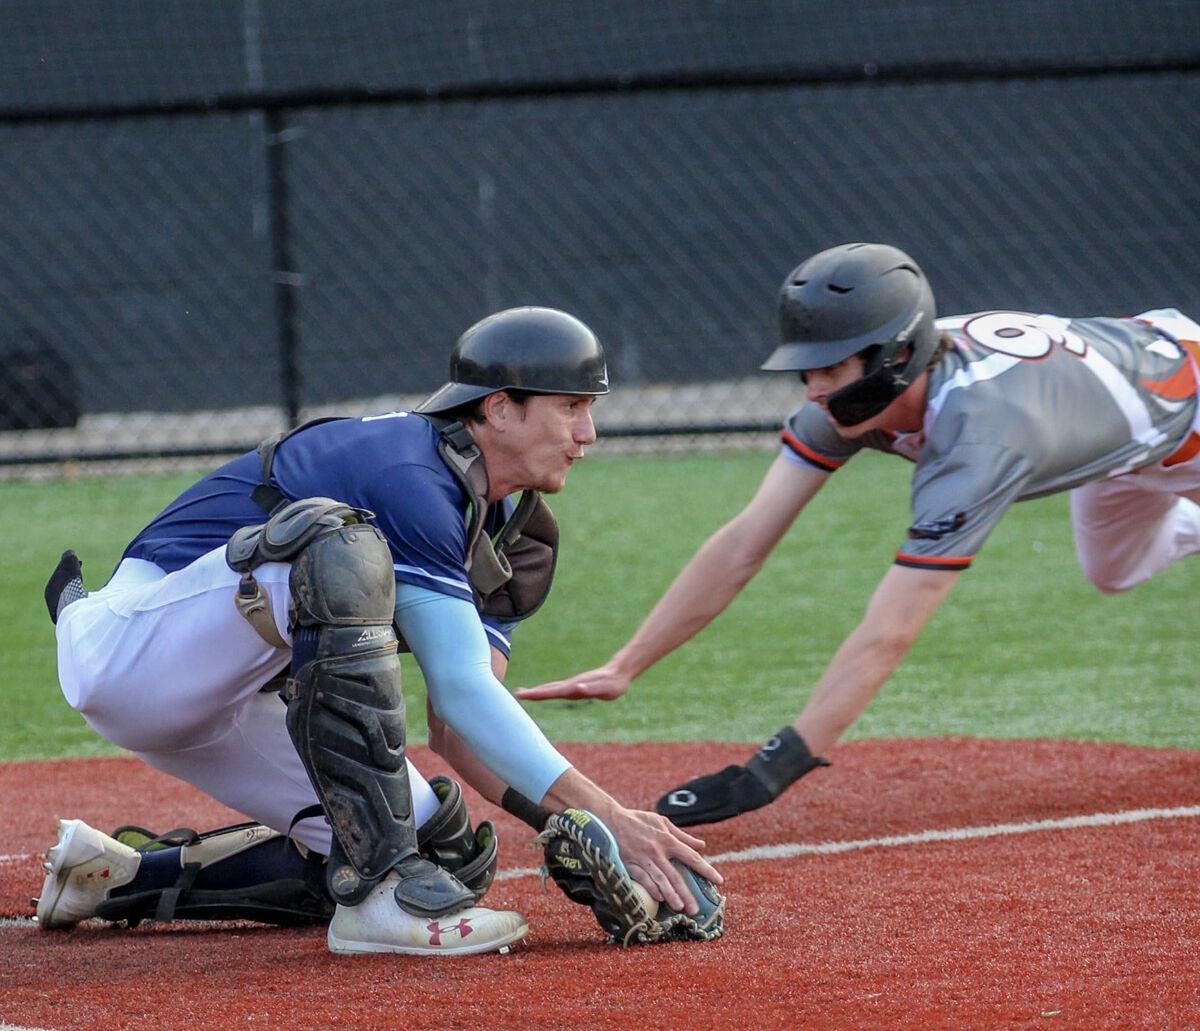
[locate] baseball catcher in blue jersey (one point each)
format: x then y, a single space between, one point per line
247 644
991 408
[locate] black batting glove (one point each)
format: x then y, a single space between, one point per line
780 762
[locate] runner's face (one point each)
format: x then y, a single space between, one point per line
820 383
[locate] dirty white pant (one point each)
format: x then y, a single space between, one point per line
164 665
1130 527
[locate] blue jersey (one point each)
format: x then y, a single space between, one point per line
388 464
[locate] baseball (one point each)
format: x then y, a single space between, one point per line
650 903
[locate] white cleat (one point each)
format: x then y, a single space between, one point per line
378 924
81 869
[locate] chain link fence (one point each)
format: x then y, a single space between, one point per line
218 223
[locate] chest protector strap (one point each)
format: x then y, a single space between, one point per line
270 499
510 575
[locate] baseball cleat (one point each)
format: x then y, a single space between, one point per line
378 924
81 869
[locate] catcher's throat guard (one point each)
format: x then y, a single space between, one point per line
510 575
345 710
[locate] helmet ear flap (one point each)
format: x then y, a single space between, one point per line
866 397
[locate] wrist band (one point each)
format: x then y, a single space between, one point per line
783 760
523 809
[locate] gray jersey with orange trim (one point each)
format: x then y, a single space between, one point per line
1022 406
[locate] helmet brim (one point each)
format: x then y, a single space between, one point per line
802 356
451 395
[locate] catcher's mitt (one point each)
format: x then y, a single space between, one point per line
582 858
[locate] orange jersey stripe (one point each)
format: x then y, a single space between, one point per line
1191 444
951 562
804 451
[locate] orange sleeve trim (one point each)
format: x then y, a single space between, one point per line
808 454
1191 444
1186 451
1181 384
951 562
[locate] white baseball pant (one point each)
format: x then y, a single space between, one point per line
164 665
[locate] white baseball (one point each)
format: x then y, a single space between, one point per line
647 900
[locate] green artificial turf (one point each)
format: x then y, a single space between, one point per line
1024 647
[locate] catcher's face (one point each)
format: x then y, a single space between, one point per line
544 437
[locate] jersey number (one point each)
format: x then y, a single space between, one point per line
1023 335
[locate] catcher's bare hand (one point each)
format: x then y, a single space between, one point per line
603 682
648 843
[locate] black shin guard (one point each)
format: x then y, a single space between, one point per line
347 722
346 718
244 872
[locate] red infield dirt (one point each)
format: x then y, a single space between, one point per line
1074 926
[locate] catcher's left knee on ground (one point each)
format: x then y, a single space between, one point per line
244 872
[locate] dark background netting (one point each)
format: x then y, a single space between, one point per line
219 218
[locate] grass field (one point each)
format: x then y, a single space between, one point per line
1023 648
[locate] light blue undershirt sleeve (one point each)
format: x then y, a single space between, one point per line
448 641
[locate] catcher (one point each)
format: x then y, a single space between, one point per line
991 408
302 566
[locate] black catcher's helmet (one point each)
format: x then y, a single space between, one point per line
538 350
859 298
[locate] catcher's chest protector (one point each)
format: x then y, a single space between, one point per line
510 576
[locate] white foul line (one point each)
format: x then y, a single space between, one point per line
793 849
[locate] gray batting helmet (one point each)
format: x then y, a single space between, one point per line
859 298
536 350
